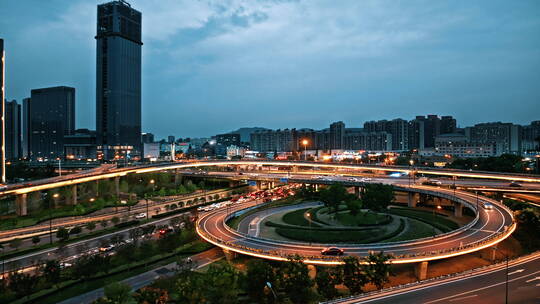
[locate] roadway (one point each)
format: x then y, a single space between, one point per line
213 228
107 172
476 286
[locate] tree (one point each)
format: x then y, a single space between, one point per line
52 271
75 230
103 223
22 284
222 284
151 295
353 276
115 220
333 196
295 280
91 226
118 292
258 273
15 243
327 278
63 234
377 197
190 287
354 206
377 268
36 239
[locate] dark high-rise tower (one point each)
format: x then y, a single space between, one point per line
2 113
118 86
51 115
12 134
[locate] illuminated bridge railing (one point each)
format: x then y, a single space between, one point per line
396 259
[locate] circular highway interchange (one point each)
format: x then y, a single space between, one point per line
489 227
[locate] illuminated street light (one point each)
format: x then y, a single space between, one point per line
310 232
305 142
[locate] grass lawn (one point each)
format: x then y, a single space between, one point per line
415 230
297 218
362 218
442 223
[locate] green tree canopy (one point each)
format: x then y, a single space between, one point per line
377 197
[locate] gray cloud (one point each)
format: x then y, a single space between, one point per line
212 66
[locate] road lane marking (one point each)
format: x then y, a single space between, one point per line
463 298
481 288
517 271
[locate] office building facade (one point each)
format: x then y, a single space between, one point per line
505 136
51 117
25 122
12 130
2 112
118 84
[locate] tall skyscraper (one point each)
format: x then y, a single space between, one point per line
2 112
52 115
118 86
13 129
26 128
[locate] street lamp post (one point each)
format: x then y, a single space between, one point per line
506 274
310 231
153 182
411 172
55 196
305 142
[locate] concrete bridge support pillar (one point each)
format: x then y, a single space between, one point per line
489 253
458 209
436 201
117 186
229 255
21 204
316 187
422 198
357 191
412 200
259 185
420 270
74 195
271 185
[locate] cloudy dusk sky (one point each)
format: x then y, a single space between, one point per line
213 66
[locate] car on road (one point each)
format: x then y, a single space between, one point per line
166 230
106 248
488 206
332 251
140 215
514 184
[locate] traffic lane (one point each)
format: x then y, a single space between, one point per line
484 288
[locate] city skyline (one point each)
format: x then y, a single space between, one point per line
478 69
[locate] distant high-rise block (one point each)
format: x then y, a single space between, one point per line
26 128
13 130
118 85
337 135
2 112
51 116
